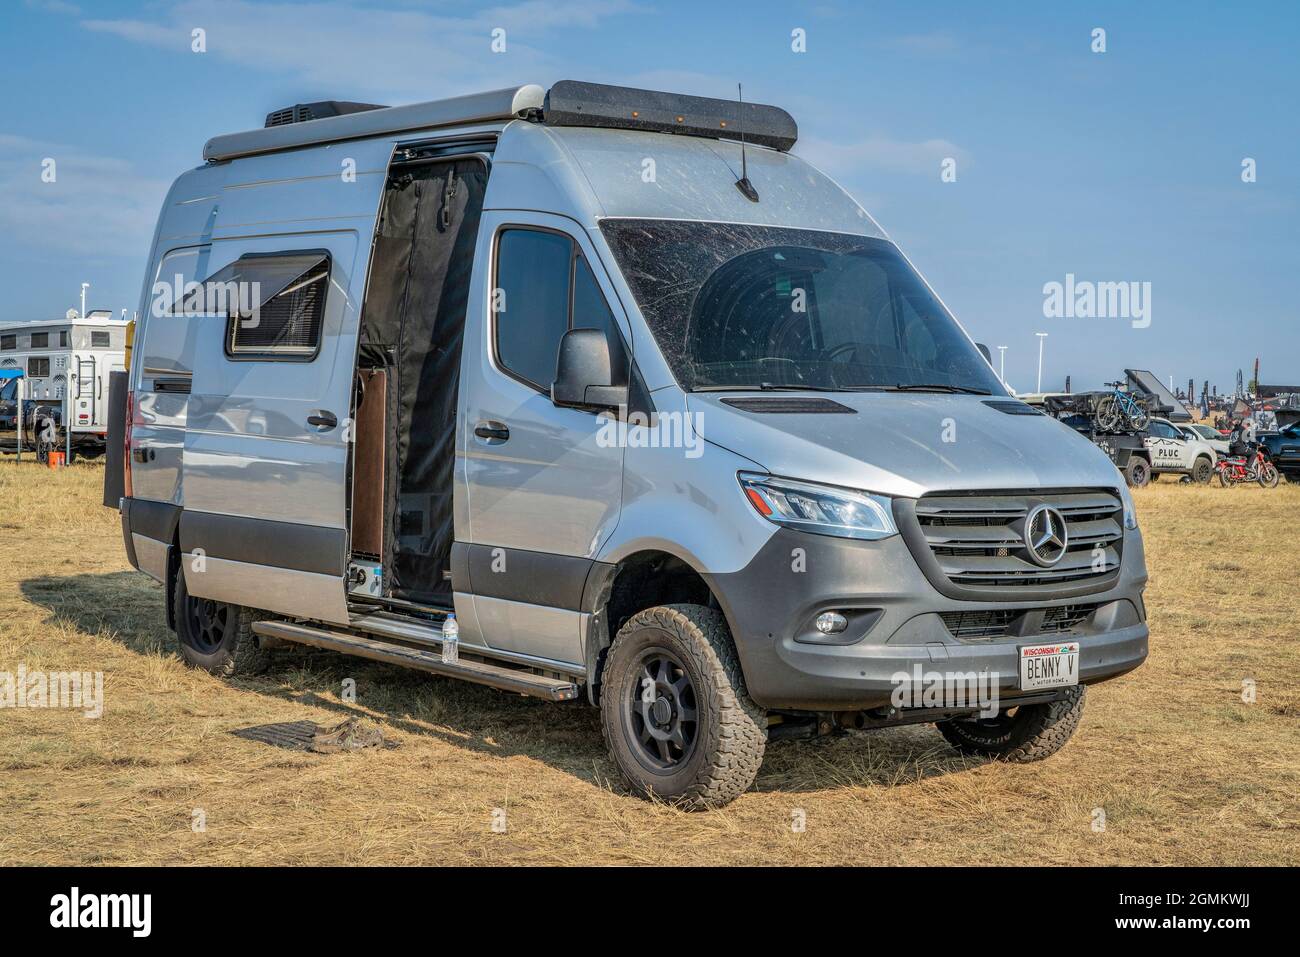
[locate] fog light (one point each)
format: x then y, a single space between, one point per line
831 623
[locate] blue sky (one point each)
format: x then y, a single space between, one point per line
1122 166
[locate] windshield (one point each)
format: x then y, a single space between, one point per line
752 307
8 389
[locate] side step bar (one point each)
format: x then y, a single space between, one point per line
386 625
507 679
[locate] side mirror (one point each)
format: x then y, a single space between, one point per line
584 373
984 351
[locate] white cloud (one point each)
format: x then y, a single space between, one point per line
97 205
348 50
880 152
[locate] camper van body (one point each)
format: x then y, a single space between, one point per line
248 474
67 360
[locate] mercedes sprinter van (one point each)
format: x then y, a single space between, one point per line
644 402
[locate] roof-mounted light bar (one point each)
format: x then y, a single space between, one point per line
574 103
567 103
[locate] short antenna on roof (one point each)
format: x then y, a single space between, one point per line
743 184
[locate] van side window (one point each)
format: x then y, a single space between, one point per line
534 302
288 323
38 367
273 303
40 340
98 340
590 310
8 342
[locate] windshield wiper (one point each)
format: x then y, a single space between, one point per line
939 387
769 387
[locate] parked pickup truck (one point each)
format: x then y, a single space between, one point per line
1178 452
1283 450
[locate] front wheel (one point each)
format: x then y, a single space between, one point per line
1019 735
676 717
1202 471
1137 419
1268 475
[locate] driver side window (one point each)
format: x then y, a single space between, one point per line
544 287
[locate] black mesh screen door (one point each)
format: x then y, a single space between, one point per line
413 325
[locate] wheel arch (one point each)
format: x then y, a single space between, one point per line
640 579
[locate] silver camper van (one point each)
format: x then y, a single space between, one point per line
604 394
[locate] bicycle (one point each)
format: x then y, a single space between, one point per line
1118 408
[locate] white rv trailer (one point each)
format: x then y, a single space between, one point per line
63 361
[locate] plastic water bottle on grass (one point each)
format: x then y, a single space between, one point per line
450 640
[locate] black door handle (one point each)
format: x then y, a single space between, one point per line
323 420
492 430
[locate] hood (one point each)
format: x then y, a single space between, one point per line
906 444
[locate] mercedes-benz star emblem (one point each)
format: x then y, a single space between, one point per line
1046 535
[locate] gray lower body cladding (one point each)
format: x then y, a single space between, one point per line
896 621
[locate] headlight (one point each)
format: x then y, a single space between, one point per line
822 509
1130 513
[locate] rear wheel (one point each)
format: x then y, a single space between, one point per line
216 636
1108 414
677 719
1019 735
1137 473
1202 471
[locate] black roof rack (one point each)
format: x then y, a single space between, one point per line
574 103
302 112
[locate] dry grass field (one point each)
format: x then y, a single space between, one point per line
1186 771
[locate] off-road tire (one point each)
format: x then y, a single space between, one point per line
1269 476
236 650
730 732
1034 732
1137 472
1202 471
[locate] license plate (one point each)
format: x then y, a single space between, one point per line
1054 665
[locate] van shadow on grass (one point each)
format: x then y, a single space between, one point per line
129 608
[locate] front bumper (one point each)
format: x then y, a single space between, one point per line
895 624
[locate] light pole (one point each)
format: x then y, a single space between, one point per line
1041 337
1002 364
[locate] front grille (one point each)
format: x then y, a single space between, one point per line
1066 617
979 624
1001 622
979 540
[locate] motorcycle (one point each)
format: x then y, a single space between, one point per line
1236 469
